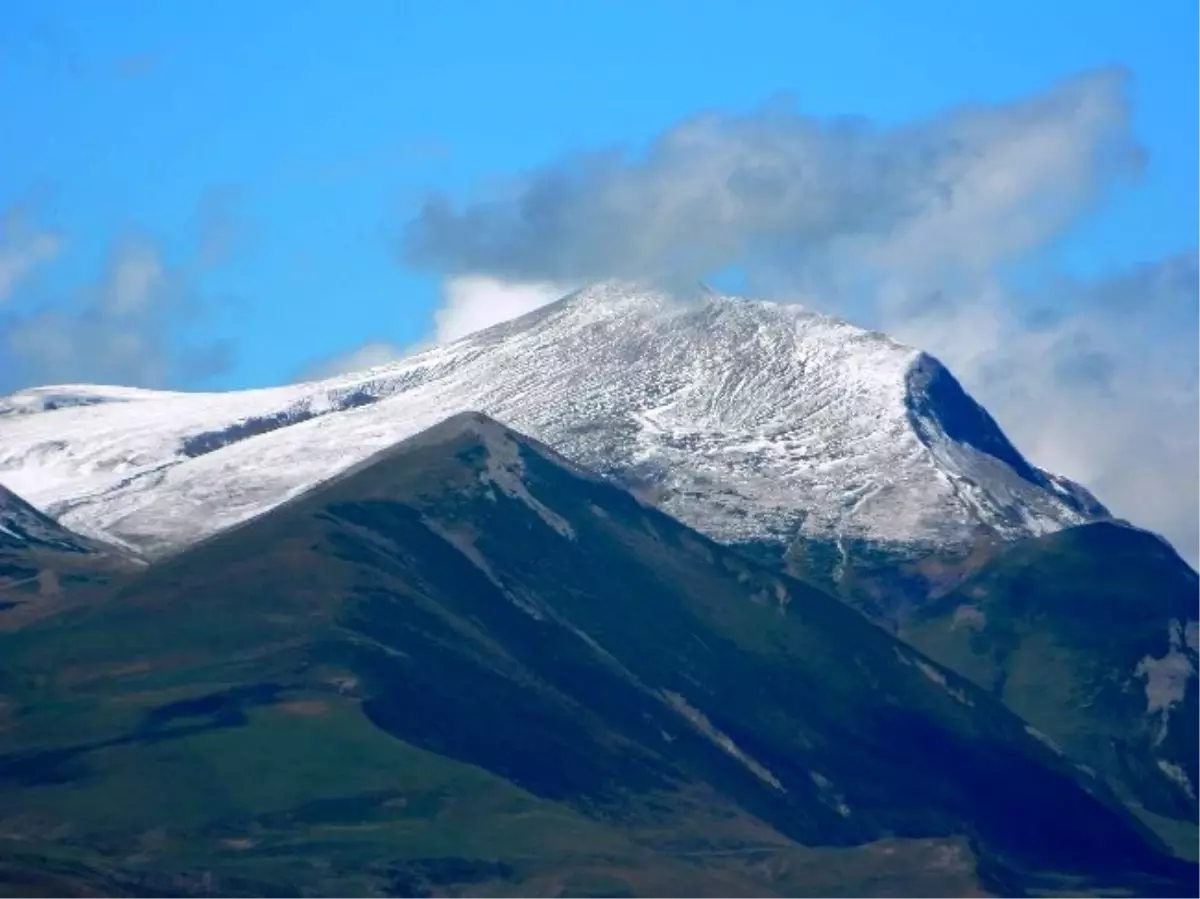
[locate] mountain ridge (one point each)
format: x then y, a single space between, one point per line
45 568
21 524
752 421
1091 635
468 605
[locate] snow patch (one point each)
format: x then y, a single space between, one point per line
782 597
970 617
1178 775
1191 636
1045 740
700 721
933 674
829 795
466 546
1167 677
506 471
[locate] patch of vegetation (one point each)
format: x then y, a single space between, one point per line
1058 628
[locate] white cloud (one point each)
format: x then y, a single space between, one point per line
1105 393
121 329
778 189
136 279
471 303
23 248
369 355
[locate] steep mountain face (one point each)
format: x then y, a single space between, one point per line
755 423
22 526
1091 635
467 664
42 564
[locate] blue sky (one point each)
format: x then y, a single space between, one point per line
311 132
220 195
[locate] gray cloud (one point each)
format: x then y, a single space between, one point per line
126 327
220 228
778 189
1146 294
469 304
1105 392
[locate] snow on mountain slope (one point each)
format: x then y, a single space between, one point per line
23 527
47 399
747 420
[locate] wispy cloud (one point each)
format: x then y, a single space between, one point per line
124 327
220 227
55 47
357 359
137 65
469 304
473 302
24 246
778 189
1102 387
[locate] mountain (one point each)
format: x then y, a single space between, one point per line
43 565
1091 635
24 527
468 665
755 423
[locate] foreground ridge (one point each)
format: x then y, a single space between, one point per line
467 665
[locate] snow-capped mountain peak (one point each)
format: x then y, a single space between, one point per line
749 420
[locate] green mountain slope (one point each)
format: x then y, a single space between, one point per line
468 666
45 567
1090 634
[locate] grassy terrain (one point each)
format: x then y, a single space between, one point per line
468 668
1060 628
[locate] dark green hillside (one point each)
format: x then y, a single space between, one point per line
467 667
45 568
1089 634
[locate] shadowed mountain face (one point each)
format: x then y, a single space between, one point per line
467 665
1091 635
44 566
889 581
23 527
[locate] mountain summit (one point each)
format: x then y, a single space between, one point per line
754 422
